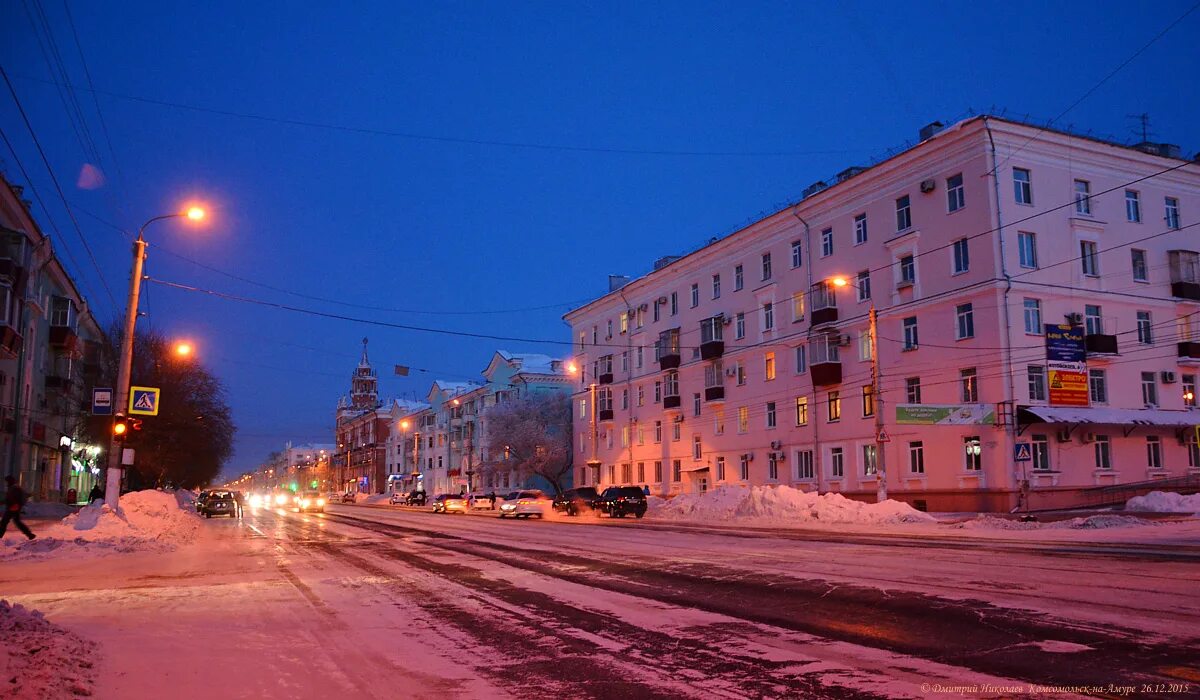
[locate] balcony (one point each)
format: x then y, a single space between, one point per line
829 314
10 341
1185 273
712 349
605 378
1189 351
65 340
10 271
826 373
714 393
670 402
1100 344
666 350
604 414
712 338
1186 290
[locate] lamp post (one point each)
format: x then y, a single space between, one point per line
112 491
593 462
876 392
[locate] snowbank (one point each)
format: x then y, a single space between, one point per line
1094 522
781 504
373 499
46 509
42 660
1165 502
146 520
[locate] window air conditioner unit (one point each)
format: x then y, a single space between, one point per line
726 320
928 186
1063 436
749 456
1075 318
775 445
662 300
782 456
1167 376
731 372
1088 437
844 340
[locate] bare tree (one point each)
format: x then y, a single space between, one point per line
532 436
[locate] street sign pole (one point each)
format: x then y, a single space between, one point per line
112 481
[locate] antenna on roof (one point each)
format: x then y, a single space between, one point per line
1143 124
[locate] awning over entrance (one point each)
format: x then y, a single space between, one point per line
696 468
1110 416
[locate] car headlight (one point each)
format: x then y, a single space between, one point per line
320 501
280 499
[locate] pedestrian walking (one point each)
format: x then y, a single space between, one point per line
14 501
95 494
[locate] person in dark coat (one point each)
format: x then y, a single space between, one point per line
95 494
14 501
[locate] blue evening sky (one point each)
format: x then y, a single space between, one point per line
797 90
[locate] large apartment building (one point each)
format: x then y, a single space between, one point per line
1037 297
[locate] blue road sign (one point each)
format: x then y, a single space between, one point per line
102 401
1023 452
143 401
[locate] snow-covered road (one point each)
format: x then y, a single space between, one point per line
380 602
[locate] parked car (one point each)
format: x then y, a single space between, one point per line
415 498
348 498
450 503
576 501
397 497
482 501
200 499
527 503
219 503
619 501
310 501
333 497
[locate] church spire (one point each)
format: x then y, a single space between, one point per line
364 362
364 384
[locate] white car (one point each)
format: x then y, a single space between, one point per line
482 501
527 503
397 498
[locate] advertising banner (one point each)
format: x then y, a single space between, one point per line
945 414
1066 365
1064 343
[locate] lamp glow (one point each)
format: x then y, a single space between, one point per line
195 213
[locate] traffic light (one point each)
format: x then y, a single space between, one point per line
120 428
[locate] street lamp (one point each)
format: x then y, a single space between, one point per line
113 478
183 349
593 461
876 390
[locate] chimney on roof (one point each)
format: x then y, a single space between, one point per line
813 189
615 282
930 129
849 172
664 261
1166 150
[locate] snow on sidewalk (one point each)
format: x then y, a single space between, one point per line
1165 502
39 659
146 520
781 504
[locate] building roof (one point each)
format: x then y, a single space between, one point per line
531 362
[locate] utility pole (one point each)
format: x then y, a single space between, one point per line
112 481
877 390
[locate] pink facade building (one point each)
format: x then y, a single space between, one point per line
1038 330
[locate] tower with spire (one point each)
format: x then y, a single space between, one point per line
364 384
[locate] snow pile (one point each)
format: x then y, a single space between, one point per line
46 509
1165 502
781 504
146 520
1094 522
42 660
373 499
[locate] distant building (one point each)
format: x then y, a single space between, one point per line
362 426
745 362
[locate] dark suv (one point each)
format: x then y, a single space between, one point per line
619 501
576 501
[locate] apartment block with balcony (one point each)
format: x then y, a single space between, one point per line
751 358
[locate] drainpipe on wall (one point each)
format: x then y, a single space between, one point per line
812 409
1010 391
629 374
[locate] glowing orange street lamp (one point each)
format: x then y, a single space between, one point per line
184 349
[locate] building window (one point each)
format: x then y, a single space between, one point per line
801 359
804 465
870 460
739 371
768 316
863 285
743 419
772 467
908 269
744 467
835 406
955 199
865 351
626 473
719 421
766 266
695 295
657 311
657 432
625 361
671 383
826 242
738 278
1172 216
1103 447
612 473
1083 197
716 286
972 453
1133 206
1027 248
903 214
912 389
1033 316
624 399
1137 259
965 326
1145 330
739 326
641 472
623 323
910 333
676 470
801 410
860 229
1022 186
770 414
837 464
697 447
797 253
674 303
1089 258
797 306
639 356
1193 450
1093 322
916 457
720 464
970 385
1154 452
868 401
657 392
1098 386
962 256
769 366
677 429
1149 389
1037 382
1189 390
658 476
696 404
1041 453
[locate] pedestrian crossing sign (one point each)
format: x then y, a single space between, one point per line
143 401
1022 452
